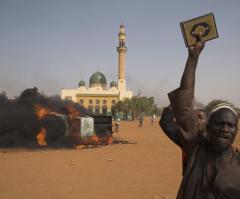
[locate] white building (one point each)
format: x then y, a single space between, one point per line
98 98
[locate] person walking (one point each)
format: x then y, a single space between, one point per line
117 124
141 118
153 119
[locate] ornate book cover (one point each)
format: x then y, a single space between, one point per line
204 25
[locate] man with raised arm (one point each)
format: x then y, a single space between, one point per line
213 166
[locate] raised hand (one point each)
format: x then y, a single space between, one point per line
195 50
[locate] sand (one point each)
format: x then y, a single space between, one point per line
149 167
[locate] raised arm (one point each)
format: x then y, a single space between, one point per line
188 77
182 99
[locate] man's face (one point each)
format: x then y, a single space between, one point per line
222 129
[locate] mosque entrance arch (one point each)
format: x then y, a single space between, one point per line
97 110
104 110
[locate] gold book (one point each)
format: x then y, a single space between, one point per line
204 25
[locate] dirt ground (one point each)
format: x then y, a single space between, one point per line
148 167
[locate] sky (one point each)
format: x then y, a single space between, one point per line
53 44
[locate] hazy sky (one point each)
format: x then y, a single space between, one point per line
53 44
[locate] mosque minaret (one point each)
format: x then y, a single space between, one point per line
98 97
122 49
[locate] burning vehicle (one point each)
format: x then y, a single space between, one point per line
90 130
33 119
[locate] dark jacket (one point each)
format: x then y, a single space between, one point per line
169 125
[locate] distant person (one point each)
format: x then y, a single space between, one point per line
213 165
141 118
133 116
117 124
153 119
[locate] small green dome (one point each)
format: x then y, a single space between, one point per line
97 79
113 84
81 83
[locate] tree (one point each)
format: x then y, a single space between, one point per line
138 105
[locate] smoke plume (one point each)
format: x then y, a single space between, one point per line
19 123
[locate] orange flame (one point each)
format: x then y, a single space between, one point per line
95 140
75 138
40 111
109 139
41 137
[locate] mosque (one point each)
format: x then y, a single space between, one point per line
98 98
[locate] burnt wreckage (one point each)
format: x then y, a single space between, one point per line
33 119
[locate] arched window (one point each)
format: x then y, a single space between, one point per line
81 101
104 110
97 110
97 101
104 101
113 102
90 101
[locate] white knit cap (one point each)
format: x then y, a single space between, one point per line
221 106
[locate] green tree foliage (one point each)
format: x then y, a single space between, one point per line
138 105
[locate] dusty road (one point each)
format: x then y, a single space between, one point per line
149 167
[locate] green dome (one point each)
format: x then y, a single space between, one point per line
97 79
113 84
81 83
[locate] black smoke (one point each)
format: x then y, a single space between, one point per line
19 124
